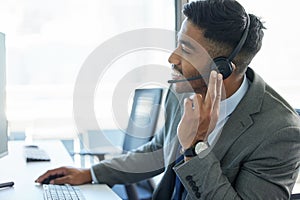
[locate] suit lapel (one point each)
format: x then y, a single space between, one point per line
232 130
240 120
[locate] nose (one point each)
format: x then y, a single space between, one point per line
174 58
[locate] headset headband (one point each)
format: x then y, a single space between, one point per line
242 40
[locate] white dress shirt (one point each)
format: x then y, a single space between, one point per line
227 106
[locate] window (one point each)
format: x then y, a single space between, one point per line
277 61
47 43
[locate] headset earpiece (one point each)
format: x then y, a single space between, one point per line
223 64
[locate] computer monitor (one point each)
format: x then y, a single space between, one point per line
3 120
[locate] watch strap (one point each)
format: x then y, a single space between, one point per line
190 152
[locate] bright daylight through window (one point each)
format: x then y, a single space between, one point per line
48 41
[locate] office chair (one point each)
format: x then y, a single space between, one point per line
140 129
143 119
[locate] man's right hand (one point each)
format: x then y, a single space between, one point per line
67 175
201 113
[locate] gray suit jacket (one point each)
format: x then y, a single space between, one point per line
256 156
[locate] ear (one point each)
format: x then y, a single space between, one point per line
233 66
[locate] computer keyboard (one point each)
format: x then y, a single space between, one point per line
35 154
62 192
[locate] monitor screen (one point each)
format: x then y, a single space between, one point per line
3 120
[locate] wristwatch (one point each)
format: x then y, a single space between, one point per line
196 149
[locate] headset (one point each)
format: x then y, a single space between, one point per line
222 64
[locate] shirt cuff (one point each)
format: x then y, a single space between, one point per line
95 180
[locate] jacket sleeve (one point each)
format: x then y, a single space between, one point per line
144 162
269 172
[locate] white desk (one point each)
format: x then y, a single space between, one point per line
13 167
296 188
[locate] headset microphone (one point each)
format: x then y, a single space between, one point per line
223 64
188 79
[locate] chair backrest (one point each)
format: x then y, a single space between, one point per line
140 129
143 118
298 111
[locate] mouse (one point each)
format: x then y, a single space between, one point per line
51 177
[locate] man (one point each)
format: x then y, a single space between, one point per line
239 138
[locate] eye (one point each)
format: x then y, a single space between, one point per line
185 49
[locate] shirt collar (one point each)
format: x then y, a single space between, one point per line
228 105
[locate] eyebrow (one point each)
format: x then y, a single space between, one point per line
185 42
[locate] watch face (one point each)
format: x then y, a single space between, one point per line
200 146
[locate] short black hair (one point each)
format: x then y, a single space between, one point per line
223 22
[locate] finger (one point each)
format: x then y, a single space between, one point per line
49 173
61 180
217 102
44 176
218 92
188 105
198 100
211 91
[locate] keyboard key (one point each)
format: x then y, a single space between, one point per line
62 192
35 154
